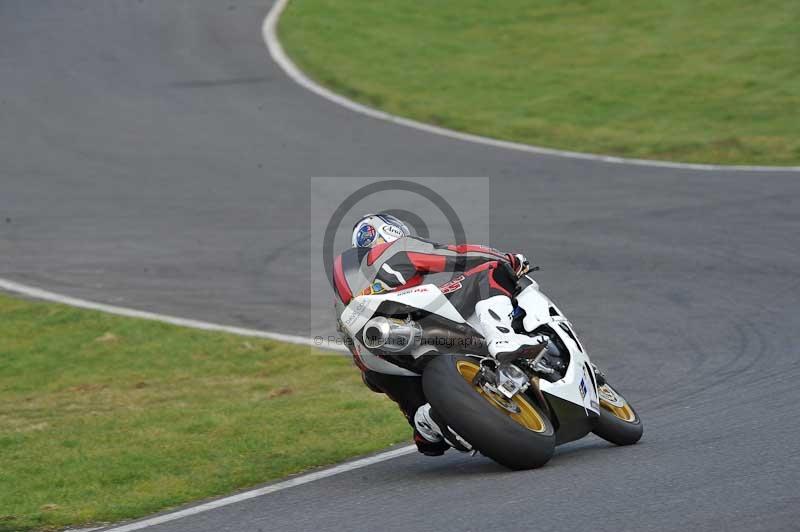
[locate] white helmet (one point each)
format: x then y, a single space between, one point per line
374 229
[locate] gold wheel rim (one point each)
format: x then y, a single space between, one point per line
527 416
619 408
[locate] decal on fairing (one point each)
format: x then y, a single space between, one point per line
417 290
589 388
353 312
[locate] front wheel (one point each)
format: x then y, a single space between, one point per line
513 432
619 423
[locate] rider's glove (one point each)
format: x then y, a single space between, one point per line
519 263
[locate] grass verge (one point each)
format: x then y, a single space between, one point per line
105 418
713 81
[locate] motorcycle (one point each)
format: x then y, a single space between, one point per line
513 411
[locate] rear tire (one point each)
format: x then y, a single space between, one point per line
524 441
619 423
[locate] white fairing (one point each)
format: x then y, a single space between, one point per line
577 386
362 308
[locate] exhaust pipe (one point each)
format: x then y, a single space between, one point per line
392 335
401 336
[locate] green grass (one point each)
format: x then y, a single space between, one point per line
105 418
715 81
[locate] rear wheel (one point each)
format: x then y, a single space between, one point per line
619 423
513 432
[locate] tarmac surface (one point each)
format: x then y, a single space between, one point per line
152 156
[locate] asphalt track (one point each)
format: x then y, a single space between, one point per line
152 156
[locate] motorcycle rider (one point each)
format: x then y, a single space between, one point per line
385 256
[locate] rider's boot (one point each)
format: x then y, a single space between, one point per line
427 434
494 315
432 436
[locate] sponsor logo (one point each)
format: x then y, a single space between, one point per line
365 236
392 231
589 380
375 288
418 290
452 286
359 307
582 388
594 404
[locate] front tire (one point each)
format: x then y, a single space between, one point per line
515 433
619 423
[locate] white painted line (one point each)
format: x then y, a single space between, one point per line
269 31
38 293
30 291
266 490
